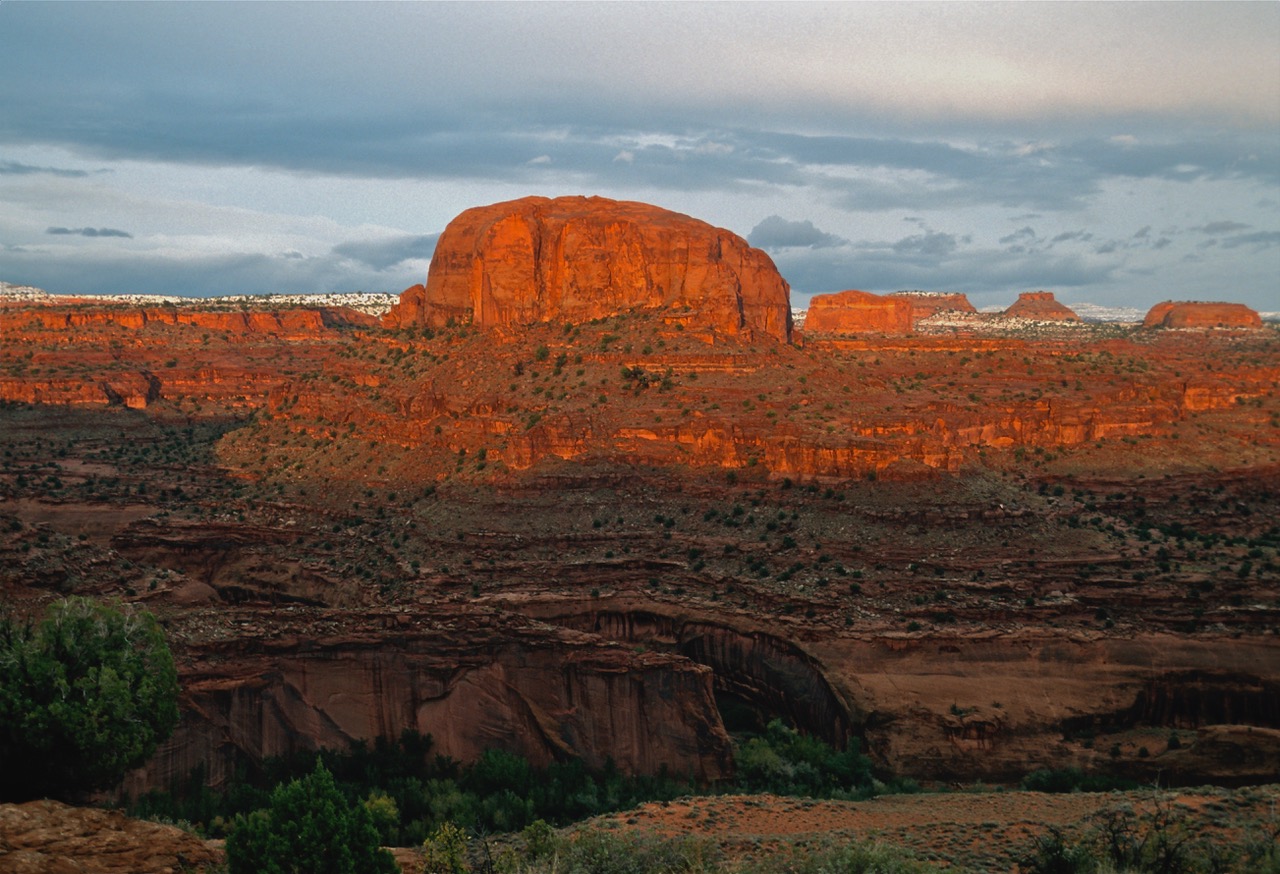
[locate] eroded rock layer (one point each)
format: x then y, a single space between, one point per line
580 258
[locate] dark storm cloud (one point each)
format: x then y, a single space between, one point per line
13 168
385 254
775 232
90 232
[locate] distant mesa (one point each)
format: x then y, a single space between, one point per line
1040 306
576 259
927 303
858 312
1201 314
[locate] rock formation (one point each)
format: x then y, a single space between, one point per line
48 837
858 312
1201 314
1040 306
470 681
580 258
925 304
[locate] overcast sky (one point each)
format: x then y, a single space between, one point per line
1115 154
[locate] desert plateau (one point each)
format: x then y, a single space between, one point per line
594 496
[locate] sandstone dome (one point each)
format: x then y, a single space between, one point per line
1201 314
575 259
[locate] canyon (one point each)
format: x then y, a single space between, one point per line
623 525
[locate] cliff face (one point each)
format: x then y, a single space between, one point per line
858 312
580 258
471 682
1040 306
1201 314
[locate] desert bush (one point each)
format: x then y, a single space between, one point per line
84 696
308 827
851 858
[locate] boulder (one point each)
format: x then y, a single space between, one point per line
575 259
858 312
1201 314
1040 306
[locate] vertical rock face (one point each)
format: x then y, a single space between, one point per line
581 258
855 312
545 695
1201 314
1040 306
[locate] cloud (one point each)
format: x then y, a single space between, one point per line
13 168
203 276
1224 227
931 245
1259 239
541 159
775 232
90 232
385 254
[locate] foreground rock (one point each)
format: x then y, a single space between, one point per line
1201 314
1040 306
580 258
48 837
858 312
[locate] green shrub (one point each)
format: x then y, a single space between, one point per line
308 827
853 858
84 696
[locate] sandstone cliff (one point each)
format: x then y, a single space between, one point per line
580 258
1040 306
858 312
472 681
1201 314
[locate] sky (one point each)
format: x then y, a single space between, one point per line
1117 154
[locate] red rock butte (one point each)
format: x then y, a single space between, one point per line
858 312
581 258
1201 314
1040 306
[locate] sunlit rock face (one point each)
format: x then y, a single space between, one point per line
1040 306
858 312
576 259
1201 314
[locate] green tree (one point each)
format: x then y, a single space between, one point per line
84 696
309 828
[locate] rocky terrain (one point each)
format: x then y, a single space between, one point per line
510 514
